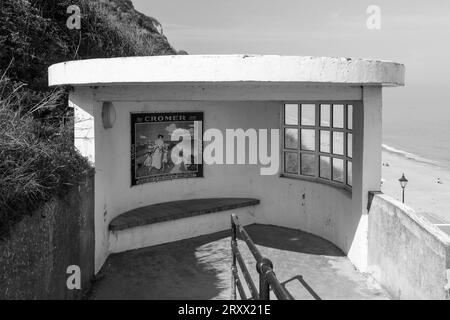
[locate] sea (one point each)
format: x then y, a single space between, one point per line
420 133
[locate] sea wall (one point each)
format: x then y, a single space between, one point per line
35 257
408 255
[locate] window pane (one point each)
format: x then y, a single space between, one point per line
291 138
349 173
338 143
325 168
350 117
308 164
291 114
325 141
291 162
308 114
350 145
338 170
308 139
325 110
338 116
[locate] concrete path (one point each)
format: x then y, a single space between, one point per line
199 268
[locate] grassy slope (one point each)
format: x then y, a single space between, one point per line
37 158
35 35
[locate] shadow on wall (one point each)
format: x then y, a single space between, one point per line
34 260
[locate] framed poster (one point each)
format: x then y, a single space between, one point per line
166 146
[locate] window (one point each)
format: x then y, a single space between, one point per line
318 141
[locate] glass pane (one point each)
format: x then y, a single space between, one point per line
338 143
325 110
308 139
291 138
308 114
324 141
308 164
291 162
349 173
291 114
350 145
325 168
338 170
338 116
350 117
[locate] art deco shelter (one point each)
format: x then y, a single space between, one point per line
328 113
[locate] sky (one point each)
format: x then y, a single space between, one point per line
415 33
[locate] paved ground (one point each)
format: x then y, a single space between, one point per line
199 268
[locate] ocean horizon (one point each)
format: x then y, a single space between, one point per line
432 148
417 130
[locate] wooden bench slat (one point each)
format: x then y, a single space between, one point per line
174 210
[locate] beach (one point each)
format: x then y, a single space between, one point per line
428 189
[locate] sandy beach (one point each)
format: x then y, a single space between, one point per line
428 189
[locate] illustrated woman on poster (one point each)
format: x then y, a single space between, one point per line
158 154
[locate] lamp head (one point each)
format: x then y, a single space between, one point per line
403 181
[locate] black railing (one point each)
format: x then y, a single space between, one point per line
267 277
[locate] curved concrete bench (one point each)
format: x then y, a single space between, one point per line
177 220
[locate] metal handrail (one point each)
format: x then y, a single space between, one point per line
267 277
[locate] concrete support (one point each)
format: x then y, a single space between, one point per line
86 109
86 131
366 170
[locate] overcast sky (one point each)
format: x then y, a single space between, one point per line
416 33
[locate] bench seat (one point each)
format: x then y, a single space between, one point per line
174 210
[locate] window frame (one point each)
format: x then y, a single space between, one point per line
317 153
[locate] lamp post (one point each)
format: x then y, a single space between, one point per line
403 182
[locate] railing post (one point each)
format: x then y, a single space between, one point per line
264 288
233 263
267 277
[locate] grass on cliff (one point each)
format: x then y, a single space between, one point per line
38 160
34 34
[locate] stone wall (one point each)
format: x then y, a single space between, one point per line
408 255
34 259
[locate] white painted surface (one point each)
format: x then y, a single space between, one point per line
83 104
227 92
226 68
313 207
366 171
408 255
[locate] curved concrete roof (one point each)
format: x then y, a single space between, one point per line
227 69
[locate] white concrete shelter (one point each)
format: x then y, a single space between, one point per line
236 91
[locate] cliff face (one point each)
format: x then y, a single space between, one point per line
34 35
125 9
